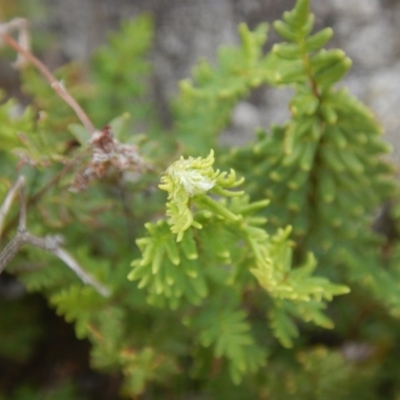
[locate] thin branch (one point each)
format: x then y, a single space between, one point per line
5 207
35 198
22 205
10 251
21 48
21 26
83 275
50 243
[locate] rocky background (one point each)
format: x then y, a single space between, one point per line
367 30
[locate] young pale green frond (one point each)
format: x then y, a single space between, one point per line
188 182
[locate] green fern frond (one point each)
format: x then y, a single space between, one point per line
169 269
78 304
227 331
323 170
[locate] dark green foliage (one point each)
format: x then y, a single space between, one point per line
233 281
321 374
22 320
63 392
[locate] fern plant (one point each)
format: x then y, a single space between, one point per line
233 273
217 243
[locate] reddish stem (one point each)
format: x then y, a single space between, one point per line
59 89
